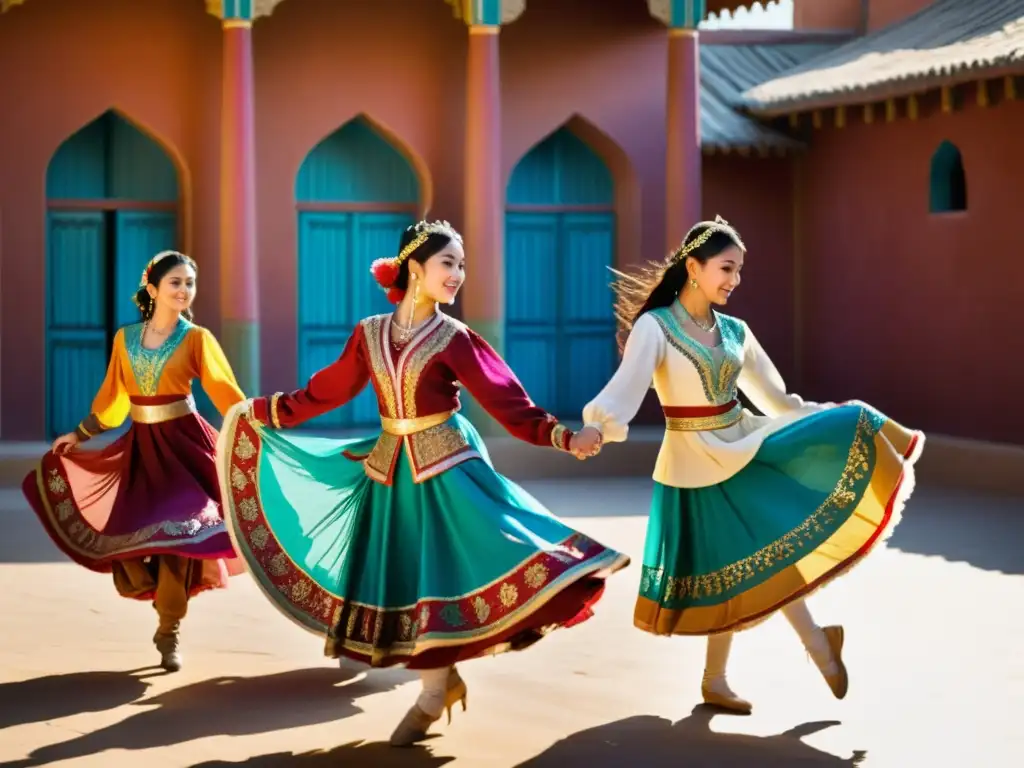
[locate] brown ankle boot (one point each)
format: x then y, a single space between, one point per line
167 643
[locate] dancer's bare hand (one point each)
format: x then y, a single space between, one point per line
65 443
586 443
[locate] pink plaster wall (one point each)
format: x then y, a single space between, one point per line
913 312
317 66
160 66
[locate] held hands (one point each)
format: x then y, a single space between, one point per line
65 443
586 443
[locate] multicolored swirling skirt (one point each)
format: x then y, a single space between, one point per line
151 492
818 496
462 564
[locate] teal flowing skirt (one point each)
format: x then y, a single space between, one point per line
462 564
819 494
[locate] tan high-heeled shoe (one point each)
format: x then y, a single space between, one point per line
413 727
728 701
839 681
457 692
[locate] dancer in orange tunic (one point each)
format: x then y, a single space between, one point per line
147 507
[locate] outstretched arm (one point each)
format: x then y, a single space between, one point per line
215 373
328 388
761 381
617 404
111 405
489 379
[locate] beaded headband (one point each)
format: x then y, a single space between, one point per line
718 225
424 230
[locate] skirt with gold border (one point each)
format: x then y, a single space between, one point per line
818 496
460 565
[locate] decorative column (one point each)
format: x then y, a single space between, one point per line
239 300
483 225
682 125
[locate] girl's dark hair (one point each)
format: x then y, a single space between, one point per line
162 264
659 283
434 244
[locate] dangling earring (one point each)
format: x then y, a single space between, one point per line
693 284
415 301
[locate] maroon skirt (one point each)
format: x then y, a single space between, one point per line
153 491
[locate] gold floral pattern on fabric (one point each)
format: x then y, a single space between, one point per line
434 445
56 483
148 364
417 359
382 458
663 587
64 519
379 634
244 449
376 347
718 377
238 479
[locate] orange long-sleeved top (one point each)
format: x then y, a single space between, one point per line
189 352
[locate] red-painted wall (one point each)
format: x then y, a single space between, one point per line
917 313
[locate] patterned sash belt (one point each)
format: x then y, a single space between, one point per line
403 427
154 414
699 418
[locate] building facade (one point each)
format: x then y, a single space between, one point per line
286 144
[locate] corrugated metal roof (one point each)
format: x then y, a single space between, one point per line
945 39
717 6
726 71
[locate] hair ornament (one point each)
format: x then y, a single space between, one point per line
385 271
710 227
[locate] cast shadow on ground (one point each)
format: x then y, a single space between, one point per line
357 754
229 706
643 741
55 696
655 742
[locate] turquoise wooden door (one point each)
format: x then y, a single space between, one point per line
559 243
112 196
77 323
140 235
364 195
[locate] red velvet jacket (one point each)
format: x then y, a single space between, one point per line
416 389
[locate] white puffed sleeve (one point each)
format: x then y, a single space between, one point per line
761 381
616 405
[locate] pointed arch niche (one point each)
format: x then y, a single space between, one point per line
113 201
572 211
356 192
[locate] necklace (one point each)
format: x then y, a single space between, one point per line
699 324
401 334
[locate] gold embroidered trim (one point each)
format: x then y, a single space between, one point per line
274 421
704 423
376 345
558 434
417 358
724 579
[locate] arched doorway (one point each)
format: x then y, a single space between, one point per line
112 203
355 195
559 243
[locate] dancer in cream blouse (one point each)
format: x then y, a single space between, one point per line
750 512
